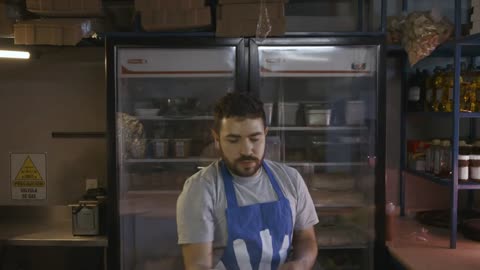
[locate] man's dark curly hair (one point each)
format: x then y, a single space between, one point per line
237 104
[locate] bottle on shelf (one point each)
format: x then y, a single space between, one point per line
437 93
464 86
429 156
429 91
475 94
436 156
446 103
415 95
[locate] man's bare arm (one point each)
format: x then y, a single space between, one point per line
197 256
305 250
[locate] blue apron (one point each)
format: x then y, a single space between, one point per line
259 235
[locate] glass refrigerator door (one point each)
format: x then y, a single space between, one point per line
164 103
321 105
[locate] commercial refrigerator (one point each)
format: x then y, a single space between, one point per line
324 104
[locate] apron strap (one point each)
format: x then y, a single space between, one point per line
229 188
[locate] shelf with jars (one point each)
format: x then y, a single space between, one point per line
441 99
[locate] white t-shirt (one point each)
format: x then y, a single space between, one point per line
201 205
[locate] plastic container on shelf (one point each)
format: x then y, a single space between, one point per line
160 148
318 117
272 150
474 165
355 112
287 113
268 108
181 148
463 165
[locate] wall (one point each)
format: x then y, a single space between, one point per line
61 89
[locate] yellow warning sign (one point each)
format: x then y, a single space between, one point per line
28 171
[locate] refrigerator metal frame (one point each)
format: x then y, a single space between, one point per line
150 40
380 126
247 79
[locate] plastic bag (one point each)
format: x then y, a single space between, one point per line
394 29
423 32
264 27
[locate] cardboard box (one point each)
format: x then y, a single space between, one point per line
65 7
146 5
249 1
54 31
475 28
246 28
475 14
160 20
249 11
6 23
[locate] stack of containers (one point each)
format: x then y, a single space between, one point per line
161 15
63 22
237 18
475 18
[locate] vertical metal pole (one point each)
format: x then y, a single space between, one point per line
383 16
404 5
403 130
456 130
360 15
455 137
473 135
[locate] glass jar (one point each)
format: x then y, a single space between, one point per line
445 159
463 162
474 166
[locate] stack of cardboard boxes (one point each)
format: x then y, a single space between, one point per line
6 22
237 18
164 15
66 24
475 18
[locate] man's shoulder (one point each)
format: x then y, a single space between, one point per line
207 175
280 168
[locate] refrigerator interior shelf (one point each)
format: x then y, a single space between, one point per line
179 75
326 164
315 73
170 160
175 118
340 237
329 128
337 199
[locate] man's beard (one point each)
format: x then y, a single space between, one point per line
235 166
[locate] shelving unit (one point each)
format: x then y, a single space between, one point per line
457 47
176 118
320 128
